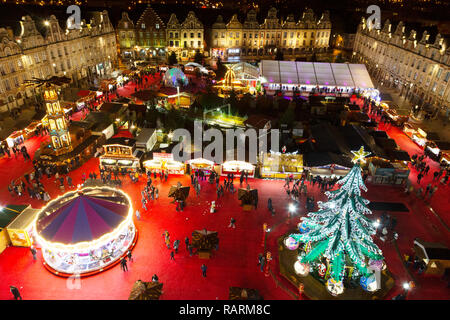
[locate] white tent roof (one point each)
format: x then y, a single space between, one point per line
316 73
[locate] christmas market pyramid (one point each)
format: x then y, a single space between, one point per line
341 233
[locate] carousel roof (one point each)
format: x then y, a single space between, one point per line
83 218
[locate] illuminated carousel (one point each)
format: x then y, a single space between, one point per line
85 231
230 83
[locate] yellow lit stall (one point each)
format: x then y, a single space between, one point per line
201 164
281 165
163 162
20 229
236 167
7 215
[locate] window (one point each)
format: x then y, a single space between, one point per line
192 44
285 34
143 25
237 34
192 35
237 42
7 85
305 35
438 75
176 34
157 26
244 35
185 35
231 34
199 35
216 35
447 77
199 44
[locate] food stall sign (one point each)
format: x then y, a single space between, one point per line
160 155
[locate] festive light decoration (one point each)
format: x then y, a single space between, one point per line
360 155
65 230
334 287
340 231
301 269
291 243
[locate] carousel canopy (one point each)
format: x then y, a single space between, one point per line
83 218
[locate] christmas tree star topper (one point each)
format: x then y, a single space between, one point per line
360 155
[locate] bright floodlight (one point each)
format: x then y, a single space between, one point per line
291 207
268 230
406 286
46 23
376 224
332 205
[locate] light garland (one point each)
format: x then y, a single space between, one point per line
85 245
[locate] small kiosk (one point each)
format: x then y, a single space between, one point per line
416 134
236 167
201 164
281 165
435 256
20 230
164 162
7 215
121 153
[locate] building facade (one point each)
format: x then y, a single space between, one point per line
417 68
185 38
81 54
252 40
145 39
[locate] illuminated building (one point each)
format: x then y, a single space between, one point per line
76 53
184 38
145 39
251 40
418 68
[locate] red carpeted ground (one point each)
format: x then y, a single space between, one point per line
235 263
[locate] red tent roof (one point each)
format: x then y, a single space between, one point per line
124 134
83 93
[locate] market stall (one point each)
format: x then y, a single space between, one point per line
236 167
85 231
383 171
437 150
164 162
121 152
20 230
281 165
7 215
416 134
436 256
201 164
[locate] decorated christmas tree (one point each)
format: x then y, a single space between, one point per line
340 234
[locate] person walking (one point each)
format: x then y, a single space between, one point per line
15 292
204 268
232 223
419 177
172 255
190 249
123 264
138 214
175 245
33 252
130 257
261 266
186 241
432 192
